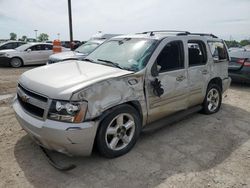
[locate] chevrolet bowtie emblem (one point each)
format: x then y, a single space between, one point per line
25 98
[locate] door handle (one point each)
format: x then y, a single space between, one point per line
205 71
180 78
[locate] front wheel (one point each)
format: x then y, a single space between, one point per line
16 62
212 101
118 131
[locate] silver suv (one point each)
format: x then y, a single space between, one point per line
126 83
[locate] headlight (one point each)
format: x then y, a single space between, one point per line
73 112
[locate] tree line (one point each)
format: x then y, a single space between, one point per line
234 43
42 37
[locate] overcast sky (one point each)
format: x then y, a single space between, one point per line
224 18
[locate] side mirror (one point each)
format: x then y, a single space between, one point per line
28 50
154 70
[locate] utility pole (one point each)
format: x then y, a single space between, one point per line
36 33
70 25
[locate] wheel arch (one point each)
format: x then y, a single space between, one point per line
18 58
217 81
135 104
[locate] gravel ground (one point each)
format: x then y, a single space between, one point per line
199 151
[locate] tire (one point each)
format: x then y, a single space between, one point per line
213 99
16 62
118 132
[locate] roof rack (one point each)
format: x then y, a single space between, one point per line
204 34
178 33
151 33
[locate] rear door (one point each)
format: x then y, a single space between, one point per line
46 52
198 71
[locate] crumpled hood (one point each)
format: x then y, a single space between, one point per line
58 81
67 55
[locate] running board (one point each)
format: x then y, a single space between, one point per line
54 164
171 119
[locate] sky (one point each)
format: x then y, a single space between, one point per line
228 19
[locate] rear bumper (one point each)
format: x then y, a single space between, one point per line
67 138
226 84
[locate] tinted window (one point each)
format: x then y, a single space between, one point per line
8 46
218 51
171 57
37 47
48 47
20 44
196 53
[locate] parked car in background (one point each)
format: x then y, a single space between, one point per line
82 51
239 65
27 54
79 53
11 45
126 83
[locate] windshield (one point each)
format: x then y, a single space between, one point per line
23 47
87 47
127 53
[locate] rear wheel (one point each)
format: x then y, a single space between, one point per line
118 131
16 62
213 99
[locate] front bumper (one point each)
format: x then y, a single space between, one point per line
68 138
5 61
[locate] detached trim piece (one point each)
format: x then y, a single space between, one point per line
54 164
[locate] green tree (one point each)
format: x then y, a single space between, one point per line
244 42
24 38
43 37
232 43
13 36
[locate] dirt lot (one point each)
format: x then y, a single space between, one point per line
199 151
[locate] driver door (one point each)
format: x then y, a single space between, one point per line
34 56
172 74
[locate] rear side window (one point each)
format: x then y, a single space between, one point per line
197 53
38 47
171 57
20 44
10 45
48 47
218 51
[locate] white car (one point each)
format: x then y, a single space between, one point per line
27 54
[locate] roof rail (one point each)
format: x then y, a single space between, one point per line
178 33
200 34
204 34
165 31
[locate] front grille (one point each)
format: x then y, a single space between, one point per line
31 94
36 111
31 102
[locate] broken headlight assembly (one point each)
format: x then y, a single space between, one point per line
73 112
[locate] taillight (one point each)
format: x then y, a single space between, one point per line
247 63
241 61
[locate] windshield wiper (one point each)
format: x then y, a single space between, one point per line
111 63
89 60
